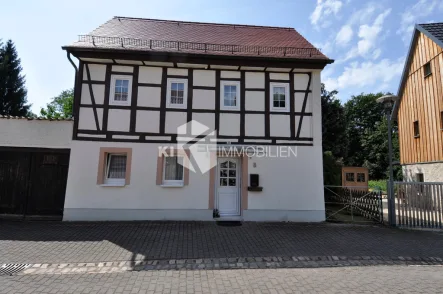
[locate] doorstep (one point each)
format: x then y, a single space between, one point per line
238 218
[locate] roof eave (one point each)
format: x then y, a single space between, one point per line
418 28
81 51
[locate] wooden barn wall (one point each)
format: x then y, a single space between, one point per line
422 101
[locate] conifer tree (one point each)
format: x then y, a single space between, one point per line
13 100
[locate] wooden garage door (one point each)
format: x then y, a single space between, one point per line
33 181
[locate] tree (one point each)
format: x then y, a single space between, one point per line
333 124
363 114
60 106
367 134
13 100
331 169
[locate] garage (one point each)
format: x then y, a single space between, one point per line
34 163
33 182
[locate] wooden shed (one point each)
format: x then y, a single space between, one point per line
355 177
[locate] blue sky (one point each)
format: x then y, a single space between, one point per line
368 39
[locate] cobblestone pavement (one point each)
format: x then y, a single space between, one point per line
375 279
47 242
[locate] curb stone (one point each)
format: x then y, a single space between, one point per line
229 263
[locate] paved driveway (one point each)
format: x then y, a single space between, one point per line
46 242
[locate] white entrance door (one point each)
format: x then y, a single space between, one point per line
228 183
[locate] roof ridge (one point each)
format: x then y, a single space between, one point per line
203 23
430 23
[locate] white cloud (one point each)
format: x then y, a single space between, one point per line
365 14
344 35
369 34
325 8
414 13
366 75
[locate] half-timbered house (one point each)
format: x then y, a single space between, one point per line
420 108
139 80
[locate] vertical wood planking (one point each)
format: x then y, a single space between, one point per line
422 101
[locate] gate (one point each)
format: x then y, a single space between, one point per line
353 204
418 205
33 182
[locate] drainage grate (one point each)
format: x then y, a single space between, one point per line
12 268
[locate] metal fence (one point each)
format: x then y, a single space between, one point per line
418 205
353 204
195 46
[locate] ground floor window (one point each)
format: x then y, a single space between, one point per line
116 169
173 170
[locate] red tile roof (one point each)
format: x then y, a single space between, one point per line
224 39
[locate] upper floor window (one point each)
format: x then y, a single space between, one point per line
120 90
441 120
177 95
416 129
230 95
427 69
279 97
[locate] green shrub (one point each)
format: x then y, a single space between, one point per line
378 185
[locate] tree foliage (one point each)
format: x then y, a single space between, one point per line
60 106
333 124
13 93
356 134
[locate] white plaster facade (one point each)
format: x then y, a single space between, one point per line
292 189
35 133
432 171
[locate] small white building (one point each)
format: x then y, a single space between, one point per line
144 86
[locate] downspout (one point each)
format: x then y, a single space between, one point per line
73 64
76 89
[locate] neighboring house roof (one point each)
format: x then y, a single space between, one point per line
34 118
124 33
433 31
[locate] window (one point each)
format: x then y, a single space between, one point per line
427 69
120 93
279 97
419 177
230 95
349 177
441 120
115 169
173 170
361 177
416 129
177 95
114 166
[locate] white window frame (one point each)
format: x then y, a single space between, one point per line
114 182
222 97
173 183
185 93
271 94
112 92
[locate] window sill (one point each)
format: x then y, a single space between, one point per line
112 185
417 136
172 185
113 103
429 74
279 110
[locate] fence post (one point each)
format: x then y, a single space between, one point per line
352 205
391 204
